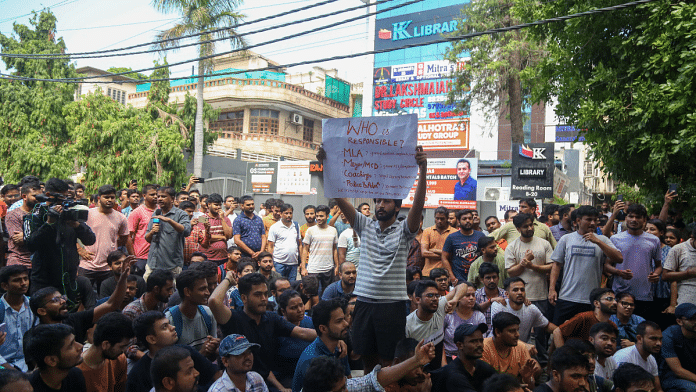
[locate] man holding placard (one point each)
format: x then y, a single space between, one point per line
380 315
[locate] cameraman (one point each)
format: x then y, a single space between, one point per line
54 243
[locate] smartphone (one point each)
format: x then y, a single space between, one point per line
3 328
183 186
134 182
619 198
673 188
199 180
203 219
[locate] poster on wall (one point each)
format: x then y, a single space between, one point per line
261 177
444 134
451 183
532 171
294 178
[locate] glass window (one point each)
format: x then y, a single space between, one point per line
228 123
264 121
308 130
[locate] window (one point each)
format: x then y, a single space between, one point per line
264 121
116 95
228 123
308 130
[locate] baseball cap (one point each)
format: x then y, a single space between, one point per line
686 310
235 345
467 329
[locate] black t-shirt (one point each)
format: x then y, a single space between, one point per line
81 322
543 388
108 287
139 377
454 378
266 334
74 382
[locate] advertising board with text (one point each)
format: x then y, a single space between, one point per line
416 28
444 134
294 178
370 156
261 177
532 171
444 186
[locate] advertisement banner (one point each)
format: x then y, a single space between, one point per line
439 69
532 171
370 156
294 178
262 177
444 134
504 205
416 28
568 133
451 183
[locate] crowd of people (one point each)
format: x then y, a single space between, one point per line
164 289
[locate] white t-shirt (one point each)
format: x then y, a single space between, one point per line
284 240
431 330
231 217
530 317
321 243
537 288
680 258
607 370
631 355
346 240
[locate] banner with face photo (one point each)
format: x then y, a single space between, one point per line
451 183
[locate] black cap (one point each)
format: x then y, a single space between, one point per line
467 329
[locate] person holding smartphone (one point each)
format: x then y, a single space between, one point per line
219 230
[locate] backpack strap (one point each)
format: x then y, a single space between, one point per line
177 319
206 318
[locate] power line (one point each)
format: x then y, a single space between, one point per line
50 55
75 57
256 45
341 57
55 5
119 25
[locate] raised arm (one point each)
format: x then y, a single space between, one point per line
414 214
216 302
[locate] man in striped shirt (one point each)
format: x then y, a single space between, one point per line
380 315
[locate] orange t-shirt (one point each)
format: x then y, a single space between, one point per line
111 377
431 239
512 364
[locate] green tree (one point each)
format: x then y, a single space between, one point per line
134 75
627 78
496 74
200 17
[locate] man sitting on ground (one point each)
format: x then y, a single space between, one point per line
56 353
505 354
579 326
648 345
236 356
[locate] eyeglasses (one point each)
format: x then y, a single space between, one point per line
431 296
628 304
58 299
609 299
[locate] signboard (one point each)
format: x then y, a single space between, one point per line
568 133
444 134
370 156
445 177
505 205
416 28
532 171
261 177
560 183
439 69
294 178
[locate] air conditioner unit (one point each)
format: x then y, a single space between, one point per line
296 119
496 194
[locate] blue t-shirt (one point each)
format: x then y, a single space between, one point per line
675 345
626 331
316 349
464 250
466 191
249 230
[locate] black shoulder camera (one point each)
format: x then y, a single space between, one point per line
73 210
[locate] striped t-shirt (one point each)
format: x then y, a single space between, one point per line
321 245
383 254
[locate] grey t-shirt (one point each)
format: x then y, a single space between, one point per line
167 251
680 258
582 262
530 317
537 287
195 331
431 330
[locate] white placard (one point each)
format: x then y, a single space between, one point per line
370 156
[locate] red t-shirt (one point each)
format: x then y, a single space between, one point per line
137 222
218 249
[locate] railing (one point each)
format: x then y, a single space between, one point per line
252 82
270 138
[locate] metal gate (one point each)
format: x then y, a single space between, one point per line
224 186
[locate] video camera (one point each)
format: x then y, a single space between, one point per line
73 210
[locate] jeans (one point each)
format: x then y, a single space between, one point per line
674 384
288 271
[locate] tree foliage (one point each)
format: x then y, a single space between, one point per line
495 74
627 77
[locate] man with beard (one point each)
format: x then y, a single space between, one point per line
160 286
504 353
254 322
452 219
173 370
347 273
564 225
648 345
284 244
569 372
509 233
461 247
50 306
331 326
168 228
266 268
236 356
14 222
248 230
581 255
319 250
433 239
603 337
193 320
641 251
380 285
490 292
415 380
138 220
309 212
55 351
579 326
104 365
678 367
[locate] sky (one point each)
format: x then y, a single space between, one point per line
91 25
